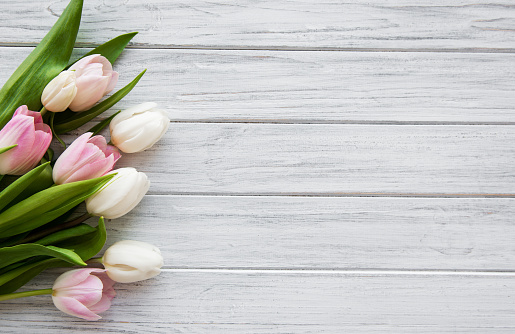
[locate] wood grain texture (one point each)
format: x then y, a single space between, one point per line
330 159
316 87
324 233
267 23
286 302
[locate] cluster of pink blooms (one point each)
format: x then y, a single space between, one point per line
87 157
86 292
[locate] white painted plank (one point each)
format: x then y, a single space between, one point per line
324 233
255 86
330 159
268 23
286 302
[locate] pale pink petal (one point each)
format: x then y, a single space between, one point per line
90 89
75 308
74 277
87 292
92 170
112 82
98 141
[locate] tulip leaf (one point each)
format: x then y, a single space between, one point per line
79 119
100 126
90 244
10 255
75 231
47 205
18 186
113 48
44 63
5 149
13 279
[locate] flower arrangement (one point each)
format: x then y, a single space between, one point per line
39 192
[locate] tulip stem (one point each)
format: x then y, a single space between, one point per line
94 260
44 233
25 294
43 111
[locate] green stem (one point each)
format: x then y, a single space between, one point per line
41 234
43 111
25 294
94 260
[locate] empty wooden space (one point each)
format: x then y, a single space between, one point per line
331 166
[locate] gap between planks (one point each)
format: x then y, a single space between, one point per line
283 48
347 272
364 194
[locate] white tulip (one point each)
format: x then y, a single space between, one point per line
138 128
131 261
120 195
59 92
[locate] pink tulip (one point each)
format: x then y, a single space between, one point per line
27 130
95 78
83 293
86 158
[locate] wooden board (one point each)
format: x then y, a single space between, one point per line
383 24
316 87
324 233
220 301
330 159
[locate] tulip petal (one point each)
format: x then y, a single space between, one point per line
90 89
112 82
92 170
73 307
74 277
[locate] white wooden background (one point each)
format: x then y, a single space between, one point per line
331 167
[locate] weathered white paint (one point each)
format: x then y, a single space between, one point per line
331 159
369 265
281 302
279 86
426 24
324 233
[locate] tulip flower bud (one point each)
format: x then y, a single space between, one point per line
86 158
32 137
95 79
59 92
138 128
120 195
83 293
131 261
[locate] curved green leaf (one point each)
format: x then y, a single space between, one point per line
44 63
63 235
113 48
10 255
5 149
89 245
18 186
14 279
79 119
47 205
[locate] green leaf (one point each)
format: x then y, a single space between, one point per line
63 235
89 245
10 255
18 186
100 126
43 64
79 119
113 48
47 205
5 149
14 279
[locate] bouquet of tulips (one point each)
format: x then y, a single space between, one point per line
39 228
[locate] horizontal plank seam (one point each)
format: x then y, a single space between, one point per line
364 194
343 122
338 271
284 48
